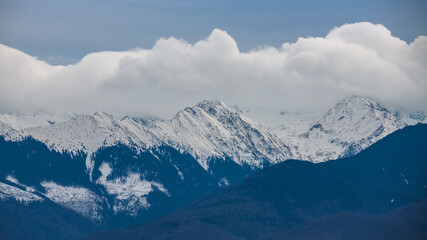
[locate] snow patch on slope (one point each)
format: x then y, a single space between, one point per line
12 179
8 191
131 191
79 199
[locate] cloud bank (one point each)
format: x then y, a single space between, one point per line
361 58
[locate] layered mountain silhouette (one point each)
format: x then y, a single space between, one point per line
381 193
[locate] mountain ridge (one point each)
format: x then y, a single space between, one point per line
128 168
335 141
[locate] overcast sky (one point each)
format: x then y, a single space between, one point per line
283 56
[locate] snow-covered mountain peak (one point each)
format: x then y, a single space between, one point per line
103 115
209 111
209 104
212 129
213 108
354 105
223 113
356 116
349 126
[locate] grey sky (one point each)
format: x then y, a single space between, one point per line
63 31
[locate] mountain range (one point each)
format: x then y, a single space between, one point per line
378 194
110 172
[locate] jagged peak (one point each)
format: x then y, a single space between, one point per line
356 103
355 110
126 118
206 104
356 100
103 115
213 107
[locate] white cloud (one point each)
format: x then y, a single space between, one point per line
309 74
